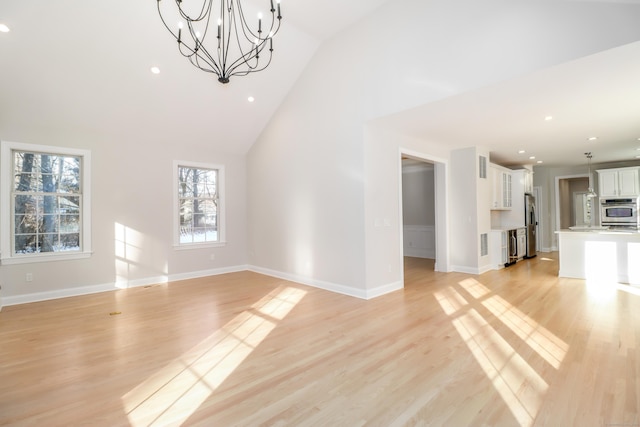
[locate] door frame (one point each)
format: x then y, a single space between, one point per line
440 170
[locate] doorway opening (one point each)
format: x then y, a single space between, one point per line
423 214
573 208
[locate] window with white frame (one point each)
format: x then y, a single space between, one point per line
199 204
45 203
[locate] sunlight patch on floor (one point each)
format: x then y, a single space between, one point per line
634 290
519 385
475 288
450 300
522 389
547 345
174 393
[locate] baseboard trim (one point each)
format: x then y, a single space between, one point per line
467 270
328 286
125 284
321 284
120 284
60 293
205 273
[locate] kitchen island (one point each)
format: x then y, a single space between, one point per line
607 256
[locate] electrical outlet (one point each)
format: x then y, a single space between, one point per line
28 277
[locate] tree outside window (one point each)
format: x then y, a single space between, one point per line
46 198
198 205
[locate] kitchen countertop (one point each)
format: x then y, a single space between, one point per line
507 228
600 230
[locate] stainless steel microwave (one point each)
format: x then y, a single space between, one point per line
619 211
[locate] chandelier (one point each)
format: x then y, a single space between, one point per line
217 39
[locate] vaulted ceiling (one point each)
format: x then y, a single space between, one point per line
69 66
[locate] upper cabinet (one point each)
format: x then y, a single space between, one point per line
619 182
501 178
528 180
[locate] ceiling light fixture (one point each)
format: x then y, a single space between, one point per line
590 192
592 138
232 48
155 70
532 157
521 152
539 162
251 99
4 28
548 118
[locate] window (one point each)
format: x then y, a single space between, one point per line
199 206
45 203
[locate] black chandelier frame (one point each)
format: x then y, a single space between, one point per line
237 50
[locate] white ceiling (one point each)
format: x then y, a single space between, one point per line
82 68
598 95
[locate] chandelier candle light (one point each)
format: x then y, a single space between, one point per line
237 50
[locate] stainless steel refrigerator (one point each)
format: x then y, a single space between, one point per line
530 223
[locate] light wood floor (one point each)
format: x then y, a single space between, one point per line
515 347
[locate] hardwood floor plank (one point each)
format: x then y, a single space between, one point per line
518 346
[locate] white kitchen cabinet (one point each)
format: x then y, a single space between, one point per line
502 198
498 248
619 182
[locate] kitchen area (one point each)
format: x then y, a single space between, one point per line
602 239
513 216
607 248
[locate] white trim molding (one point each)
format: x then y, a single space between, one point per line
6 172
114 286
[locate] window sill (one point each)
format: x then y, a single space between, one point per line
190 246
28 259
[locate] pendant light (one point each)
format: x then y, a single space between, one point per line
590 191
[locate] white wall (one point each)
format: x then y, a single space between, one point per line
316 210
131 196
418 194
321 175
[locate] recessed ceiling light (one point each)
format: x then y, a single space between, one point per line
548 118
251 99
592 138
521 152
539 161
155 70
4 28
532 158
